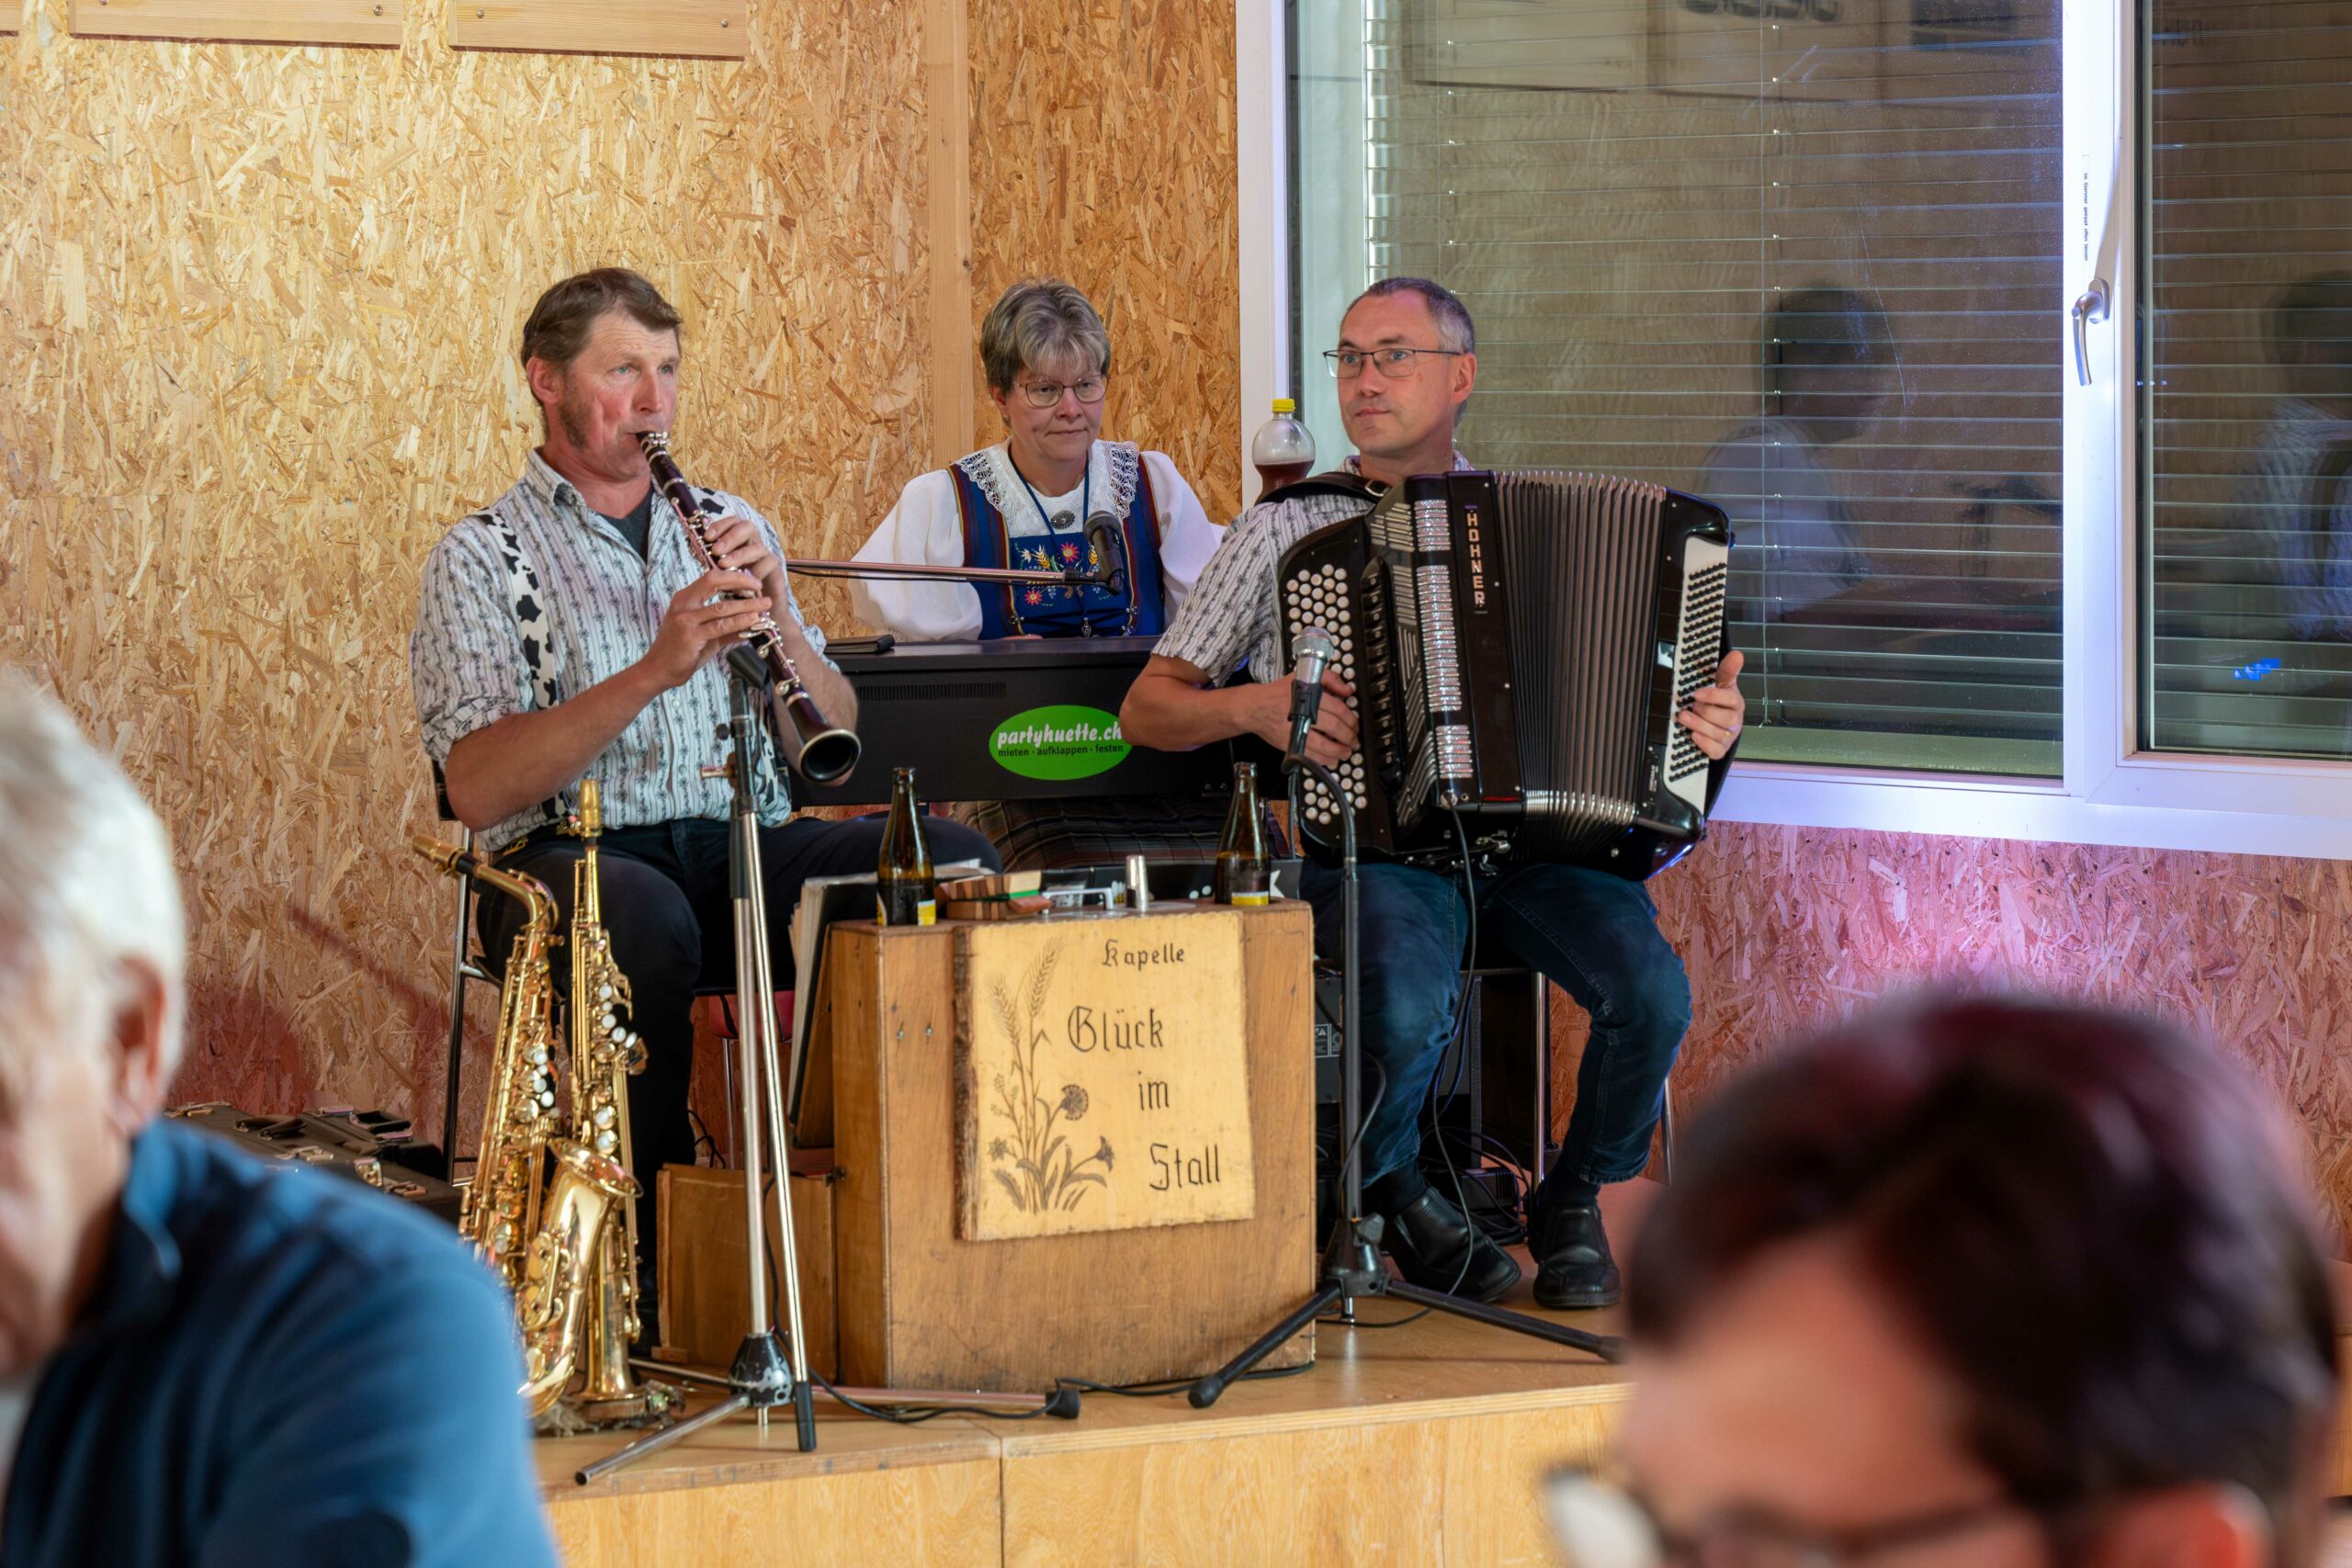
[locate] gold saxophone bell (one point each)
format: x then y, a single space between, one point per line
563 1274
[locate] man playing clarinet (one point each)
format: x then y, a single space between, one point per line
568 629
1405 364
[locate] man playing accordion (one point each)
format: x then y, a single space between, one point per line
1405 364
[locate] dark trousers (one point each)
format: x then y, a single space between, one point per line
1593 934
664 893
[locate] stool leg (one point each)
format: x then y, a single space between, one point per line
1666 1133
727 1073
456 1020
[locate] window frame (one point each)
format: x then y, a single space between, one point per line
2111 791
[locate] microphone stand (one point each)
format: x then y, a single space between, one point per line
1351 1266
769 1369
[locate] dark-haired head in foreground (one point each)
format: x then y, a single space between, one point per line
1987 1281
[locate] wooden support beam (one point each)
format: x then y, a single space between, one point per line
713 29
375 22
947 78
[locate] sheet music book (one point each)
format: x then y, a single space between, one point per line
823 901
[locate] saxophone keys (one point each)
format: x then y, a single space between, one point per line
605 1141
604 1116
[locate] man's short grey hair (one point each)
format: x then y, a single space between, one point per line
1040 321
86 876
1455 330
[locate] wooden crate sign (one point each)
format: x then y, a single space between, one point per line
1102 1077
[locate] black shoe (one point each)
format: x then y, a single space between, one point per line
1573 1268
1428 1237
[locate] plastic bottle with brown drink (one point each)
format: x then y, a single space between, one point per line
905 890
1244 869
1283 450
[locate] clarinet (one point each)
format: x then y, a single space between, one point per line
819 751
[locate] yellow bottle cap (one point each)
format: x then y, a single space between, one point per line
1285 405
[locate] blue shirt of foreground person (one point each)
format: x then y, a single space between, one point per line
205 1359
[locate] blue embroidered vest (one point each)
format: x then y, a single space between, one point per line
1010 609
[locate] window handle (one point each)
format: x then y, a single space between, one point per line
2090 307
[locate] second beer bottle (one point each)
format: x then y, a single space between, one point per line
904 887
1243 867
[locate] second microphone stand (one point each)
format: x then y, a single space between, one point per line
771 1368
768 1370
1353 1270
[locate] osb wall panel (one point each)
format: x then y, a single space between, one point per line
1788 929
257 313
1104 151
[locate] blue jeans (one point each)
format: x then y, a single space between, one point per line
1593 934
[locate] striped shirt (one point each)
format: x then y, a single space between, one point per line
1229 619
495 637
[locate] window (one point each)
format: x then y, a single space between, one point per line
2247 400
1813 257
1793 255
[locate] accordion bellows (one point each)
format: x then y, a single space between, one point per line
1519 644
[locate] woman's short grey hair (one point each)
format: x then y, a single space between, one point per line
1040 321
85 880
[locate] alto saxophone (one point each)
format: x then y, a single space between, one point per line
499 1211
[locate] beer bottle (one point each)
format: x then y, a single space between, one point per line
903 882
1243 868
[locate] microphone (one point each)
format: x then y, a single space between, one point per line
1314 648
1104 543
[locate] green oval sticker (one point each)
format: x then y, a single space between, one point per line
1065 741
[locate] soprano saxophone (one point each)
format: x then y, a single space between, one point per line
604 1051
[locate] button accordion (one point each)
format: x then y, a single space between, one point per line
1519 644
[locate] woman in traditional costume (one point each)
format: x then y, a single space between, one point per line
1024 501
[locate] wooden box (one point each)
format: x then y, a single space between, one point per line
920 1306
704 1309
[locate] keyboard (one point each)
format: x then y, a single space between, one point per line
1021 719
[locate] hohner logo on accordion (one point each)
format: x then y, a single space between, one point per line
1519 644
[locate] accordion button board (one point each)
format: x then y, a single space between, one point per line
1520 644
1323 597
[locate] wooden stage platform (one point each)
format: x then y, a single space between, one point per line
1417 1445
1420 1444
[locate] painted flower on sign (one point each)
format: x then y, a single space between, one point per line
1043 1173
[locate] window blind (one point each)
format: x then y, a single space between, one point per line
1797 256
2246 389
